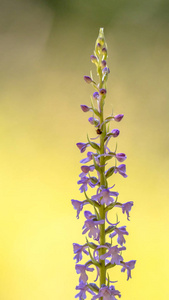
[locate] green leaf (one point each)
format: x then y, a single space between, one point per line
97 214
108 283
93 287
97 167
94 180
96 263
91 245
94 203
109 265
93 145
110 172
109 229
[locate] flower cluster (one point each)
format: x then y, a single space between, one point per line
102 254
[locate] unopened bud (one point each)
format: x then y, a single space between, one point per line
115 132
104 51
103 91
93 59
103 63
88 79
85 108
118 118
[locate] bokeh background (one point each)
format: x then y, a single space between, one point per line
45 48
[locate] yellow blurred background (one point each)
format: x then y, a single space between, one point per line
45 51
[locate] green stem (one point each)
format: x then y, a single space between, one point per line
102 207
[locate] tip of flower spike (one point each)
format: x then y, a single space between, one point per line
88 79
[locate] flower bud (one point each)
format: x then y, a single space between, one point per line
93 121
121 157
96 95
85 169
99 46
82 146
118 118
106 70
101 41
115 132
93 59
103 63
104 51
103 91
85 108
88 79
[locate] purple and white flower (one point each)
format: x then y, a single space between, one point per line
91 225
81 269
128 266
78 249
121 231
126 207
105 196
85 181
113 252
108 293
121 169
83 287
78 205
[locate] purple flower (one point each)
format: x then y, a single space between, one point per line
91 225
121 157
105 196
107 293
88 79
126 207
78 205
85 108
128 266
102 91
120 232
78 249
88 158
115 132
121 169
81 269
118 118
85 181
83 287
96 95
113 252
82 146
